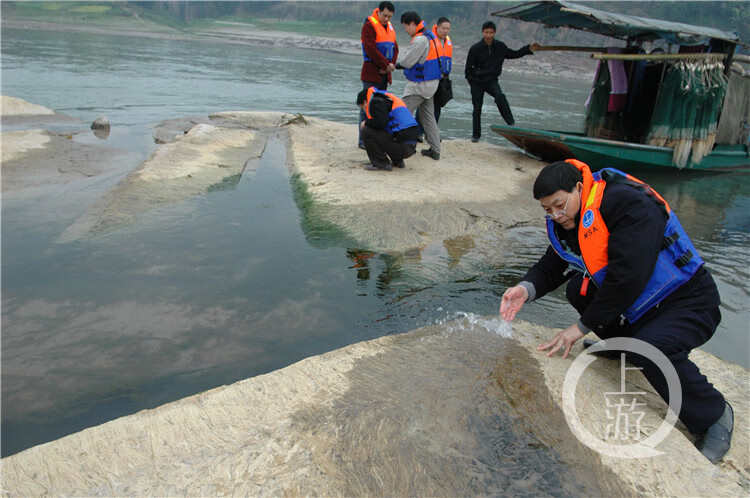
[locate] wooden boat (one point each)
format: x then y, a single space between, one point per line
625 139
558 145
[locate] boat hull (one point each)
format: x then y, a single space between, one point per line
599 153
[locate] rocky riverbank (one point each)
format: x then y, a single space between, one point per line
381 211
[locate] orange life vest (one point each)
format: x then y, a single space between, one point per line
593 235
445 52
385 37
430 69
678 259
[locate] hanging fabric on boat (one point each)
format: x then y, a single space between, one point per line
595 117
687 110
619 91
608 96
636 87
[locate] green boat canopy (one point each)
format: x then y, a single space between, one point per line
558 14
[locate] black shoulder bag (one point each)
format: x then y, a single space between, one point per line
444 92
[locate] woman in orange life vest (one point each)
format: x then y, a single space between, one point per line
445 52
379 51
635 273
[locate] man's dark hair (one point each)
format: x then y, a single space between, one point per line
386 6
554 177
409 17
361 97
441 20
489 25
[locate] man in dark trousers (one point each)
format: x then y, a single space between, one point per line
421 64
632 272
484 64
441 30
379 50
389 131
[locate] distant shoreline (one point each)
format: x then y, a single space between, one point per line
574 66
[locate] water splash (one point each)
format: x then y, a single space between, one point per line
469 322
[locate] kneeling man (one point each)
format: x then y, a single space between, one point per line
631 271
390 131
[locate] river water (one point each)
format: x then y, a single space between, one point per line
230 285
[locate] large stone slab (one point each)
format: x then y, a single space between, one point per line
207 157
447 410
473 188
12 106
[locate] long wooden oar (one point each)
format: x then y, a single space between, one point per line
569 48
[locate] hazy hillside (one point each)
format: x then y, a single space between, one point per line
466 17
344 19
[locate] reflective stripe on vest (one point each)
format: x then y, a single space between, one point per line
678 259
445 50
399 118
430 70
385 37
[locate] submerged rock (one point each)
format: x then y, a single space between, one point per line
100 123
171 130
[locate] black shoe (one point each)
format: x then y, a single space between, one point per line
399 164
420 138
475 139
431 153
372 167
609 354
715 442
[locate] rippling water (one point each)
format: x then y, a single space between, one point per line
234 284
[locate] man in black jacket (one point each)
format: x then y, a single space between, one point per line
614 240
389 130
484 64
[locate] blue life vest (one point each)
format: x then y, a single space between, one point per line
430 70
399 118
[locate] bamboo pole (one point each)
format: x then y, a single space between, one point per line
658 57
568 48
